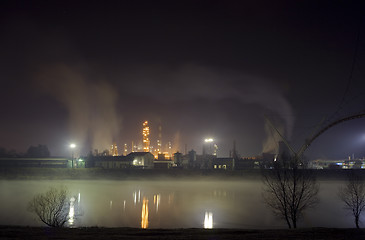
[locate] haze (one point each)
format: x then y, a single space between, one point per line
92 73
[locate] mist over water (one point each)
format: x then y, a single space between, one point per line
170 204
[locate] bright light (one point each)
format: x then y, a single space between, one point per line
72 145
144 222
208 220
208 140
71 213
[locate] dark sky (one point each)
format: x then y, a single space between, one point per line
91 72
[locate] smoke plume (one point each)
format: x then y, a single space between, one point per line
189 82
93 119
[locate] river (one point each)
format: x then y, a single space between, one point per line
169 203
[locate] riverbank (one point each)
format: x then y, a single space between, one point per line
150 174
13 232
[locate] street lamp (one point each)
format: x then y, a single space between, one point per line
72 146
210 146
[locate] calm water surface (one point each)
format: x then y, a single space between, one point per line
168 204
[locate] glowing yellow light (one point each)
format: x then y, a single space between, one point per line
145 134
208 140
144 222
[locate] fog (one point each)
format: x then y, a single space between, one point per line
170 204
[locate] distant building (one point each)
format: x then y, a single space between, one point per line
126 149
36 162
178 159
209 147
145 137
162 162
158 150
192 159
114 150
141 159
108 162
338 164
205 161
245 163
223 164
268 160
133 160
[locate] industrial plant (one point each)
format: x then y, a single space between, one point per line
147 156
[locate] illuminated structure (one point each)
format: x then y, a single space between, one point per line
169 148
158 150
146 134
125 149
142 160
72 146
209 147
114 150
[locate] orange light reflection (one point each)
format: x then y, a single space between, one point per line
144 222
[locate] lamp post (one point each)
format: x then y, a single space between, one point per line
72 146
207 143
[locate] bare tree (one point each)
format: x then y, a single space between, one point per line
52 207
290 191
353 195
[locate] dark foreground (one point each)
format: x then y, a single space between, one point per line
11 232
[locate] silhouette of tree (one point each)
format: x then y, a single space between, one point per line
38 151
8 153
289 191
3 152
353 195
52 207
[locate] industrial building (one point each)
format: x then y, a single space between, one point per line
36 162
145 137
144 160
223 164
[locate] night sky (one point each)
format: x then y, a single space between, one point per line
91 72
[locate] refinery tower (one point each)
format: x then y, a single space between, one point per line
145 137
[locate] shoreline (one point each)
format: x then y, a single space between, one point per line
150 174
20 232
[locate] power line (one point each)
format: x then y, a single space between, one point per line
349 80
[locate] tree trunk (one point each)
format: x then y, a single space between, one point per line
288 222
294 223
357 221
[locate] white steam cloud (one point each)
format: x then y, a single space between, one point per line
93 119
196 82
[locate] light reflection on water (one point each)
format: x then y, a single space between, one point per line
177 205
144 217
167 204
71 213
180 205
75 212
208 220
